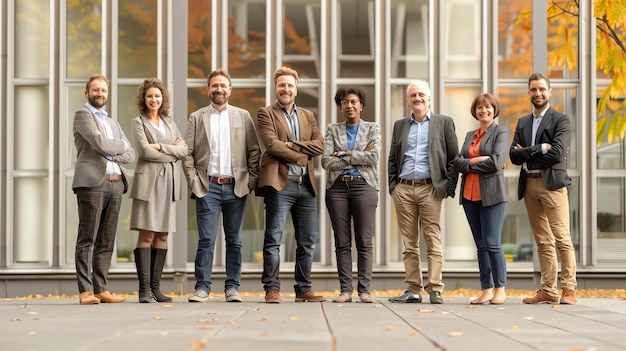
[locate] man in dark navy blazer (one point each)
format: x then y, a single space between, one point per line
540 146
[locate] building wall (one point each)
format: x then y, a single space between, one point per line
461 47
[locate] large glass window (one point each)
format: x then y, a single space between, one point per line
355 38
199 38
409 38
463 47
611 219
515 47
32 39
301 37
246 38
84 38
137 38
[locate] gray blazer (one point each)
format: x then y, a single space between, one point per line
149 159
93 147
495 144
554 129
244 149
366 162
442 148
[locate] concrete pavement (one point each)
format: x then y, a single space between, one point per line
597 324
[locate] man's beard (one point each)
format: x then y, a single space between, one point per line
93 102
539 106
219 99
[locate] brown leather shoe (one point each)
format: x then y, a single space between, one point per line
273 296
568 297
88 298
367 298
309 296
107 297
343 297
541 297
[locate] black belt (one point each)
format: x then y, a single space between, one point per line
415 182
347 178
218 180
533 175
113 176
297 179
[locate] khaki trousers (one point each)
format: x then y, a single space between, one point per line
548 213
419 206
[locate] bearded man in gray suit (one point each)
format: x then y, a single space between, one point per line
222 168
99 183
421 176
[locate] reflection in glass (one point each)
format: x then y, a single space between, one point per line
463 47
515 47
199 38
84 38
31 237
32 39
611 155
246 39
31 140
355 40
301 37
409 38
611 219
137 38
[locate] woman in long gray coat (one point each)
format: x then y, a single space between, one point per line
156 184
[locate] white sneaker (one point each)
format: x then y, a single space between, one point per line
199 296
232 296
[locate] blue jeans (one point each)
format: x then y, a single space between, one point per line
221 197
486 225
299 199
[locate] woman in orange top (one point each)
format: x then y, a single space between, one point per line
484 194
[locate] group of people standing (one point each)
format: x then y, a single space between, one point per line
222 162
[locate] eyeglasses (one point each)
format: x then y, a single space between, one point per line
351 102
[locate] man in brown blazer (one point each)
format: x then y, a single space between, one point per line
291 138
99 182
222 168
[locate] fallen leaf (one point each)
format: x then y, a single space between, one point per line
167 306
24 306
36 319
258 308
529 318
426 310
414 334
163 333
390 328
514 327
454 334
157 318
553 306
195 345
295 318
470 306
263 319
203 321
205 327
267 333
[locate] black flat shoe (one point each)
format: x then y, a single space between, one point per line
407 297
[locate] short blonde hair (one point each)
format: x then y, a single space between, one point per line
285 71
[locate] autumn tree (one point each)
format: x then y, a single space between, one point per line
610 21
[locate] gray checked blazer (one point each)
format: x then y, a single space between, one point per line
93 147
336 139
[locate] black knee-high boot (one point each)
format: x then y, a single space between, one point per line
142 261
158 261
